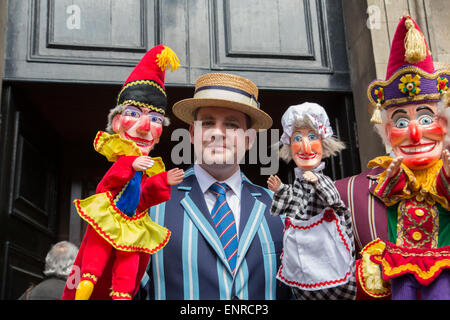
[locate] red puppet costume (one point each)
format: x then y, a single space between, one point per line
120 236
412 185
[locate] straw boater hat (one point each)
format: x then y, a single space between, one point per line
226 91
410 76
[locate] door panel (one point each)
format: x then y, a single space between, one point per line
271 35
279 44
21 269
29 194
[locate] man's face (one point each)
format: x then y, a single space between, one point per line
416 133
140 125
219 135
306 149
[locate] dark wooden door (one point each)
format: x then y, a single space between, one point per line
28 196
283 44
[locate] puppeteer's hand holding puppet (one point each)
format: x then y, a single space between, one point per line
414 186
120 235
318 224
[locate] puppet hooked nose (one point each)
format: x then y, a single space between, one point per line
415 133
144 125
306 145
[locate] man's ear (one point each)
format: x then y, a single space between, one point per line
250 137
191 132
116 122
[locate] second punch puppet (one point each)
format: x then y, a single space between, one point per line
120 236
318 247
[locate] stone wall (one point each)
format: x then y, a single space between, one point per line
3 20
370 27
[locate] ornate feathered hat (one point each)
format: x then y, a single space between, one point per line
410 76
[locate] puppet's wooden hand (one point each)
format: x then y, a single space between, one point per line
175 176
446 161
143 163
393 168
274 183
310 176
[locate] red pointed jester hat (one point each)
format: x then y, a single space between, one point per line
145 85
410 76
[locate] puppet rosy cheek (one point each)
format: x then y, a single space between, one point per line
316 146
128 122
156 131
296 147
434 130
397 136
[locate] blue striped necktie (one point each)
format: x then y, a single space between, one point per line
225 224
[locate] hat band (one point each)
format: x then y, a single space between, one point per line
388 93
226 93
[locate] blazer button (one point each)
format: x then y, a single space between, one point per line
419 212
417 235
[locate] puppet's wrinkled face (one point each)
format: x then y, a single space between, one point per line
306 148
140 125
416 133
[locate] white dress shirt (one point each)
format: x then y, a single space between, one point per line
233 196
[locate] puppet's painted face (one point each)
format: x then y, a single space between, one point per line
140 125
306 148
416 133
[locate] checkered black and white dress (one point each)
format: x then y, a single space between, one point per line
304 200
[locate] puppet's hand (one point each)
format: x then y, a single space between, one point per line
175 176
393 168
143 163
446 160
310 176
274 183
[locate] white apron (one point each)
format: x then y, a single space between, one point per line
316 253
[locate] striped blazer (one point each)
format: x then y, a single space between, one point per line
369 214
193 264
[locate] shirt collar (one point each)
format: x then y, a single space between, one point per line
205 180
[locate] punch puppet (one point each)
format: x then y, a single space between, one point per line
318 249
120 235
410 187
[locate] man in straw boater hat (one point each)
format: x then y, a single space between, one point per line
224 244
120 235
401 205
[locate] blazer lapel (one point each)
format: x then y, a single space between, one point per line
252 213
195 206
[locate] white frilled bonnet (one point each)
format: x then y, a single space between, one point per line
314 112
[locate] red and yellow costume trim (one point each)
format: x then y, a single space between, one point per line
120 295
417 194
116 247
112 146
90 277
368 273
424 264
137 233
420 183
